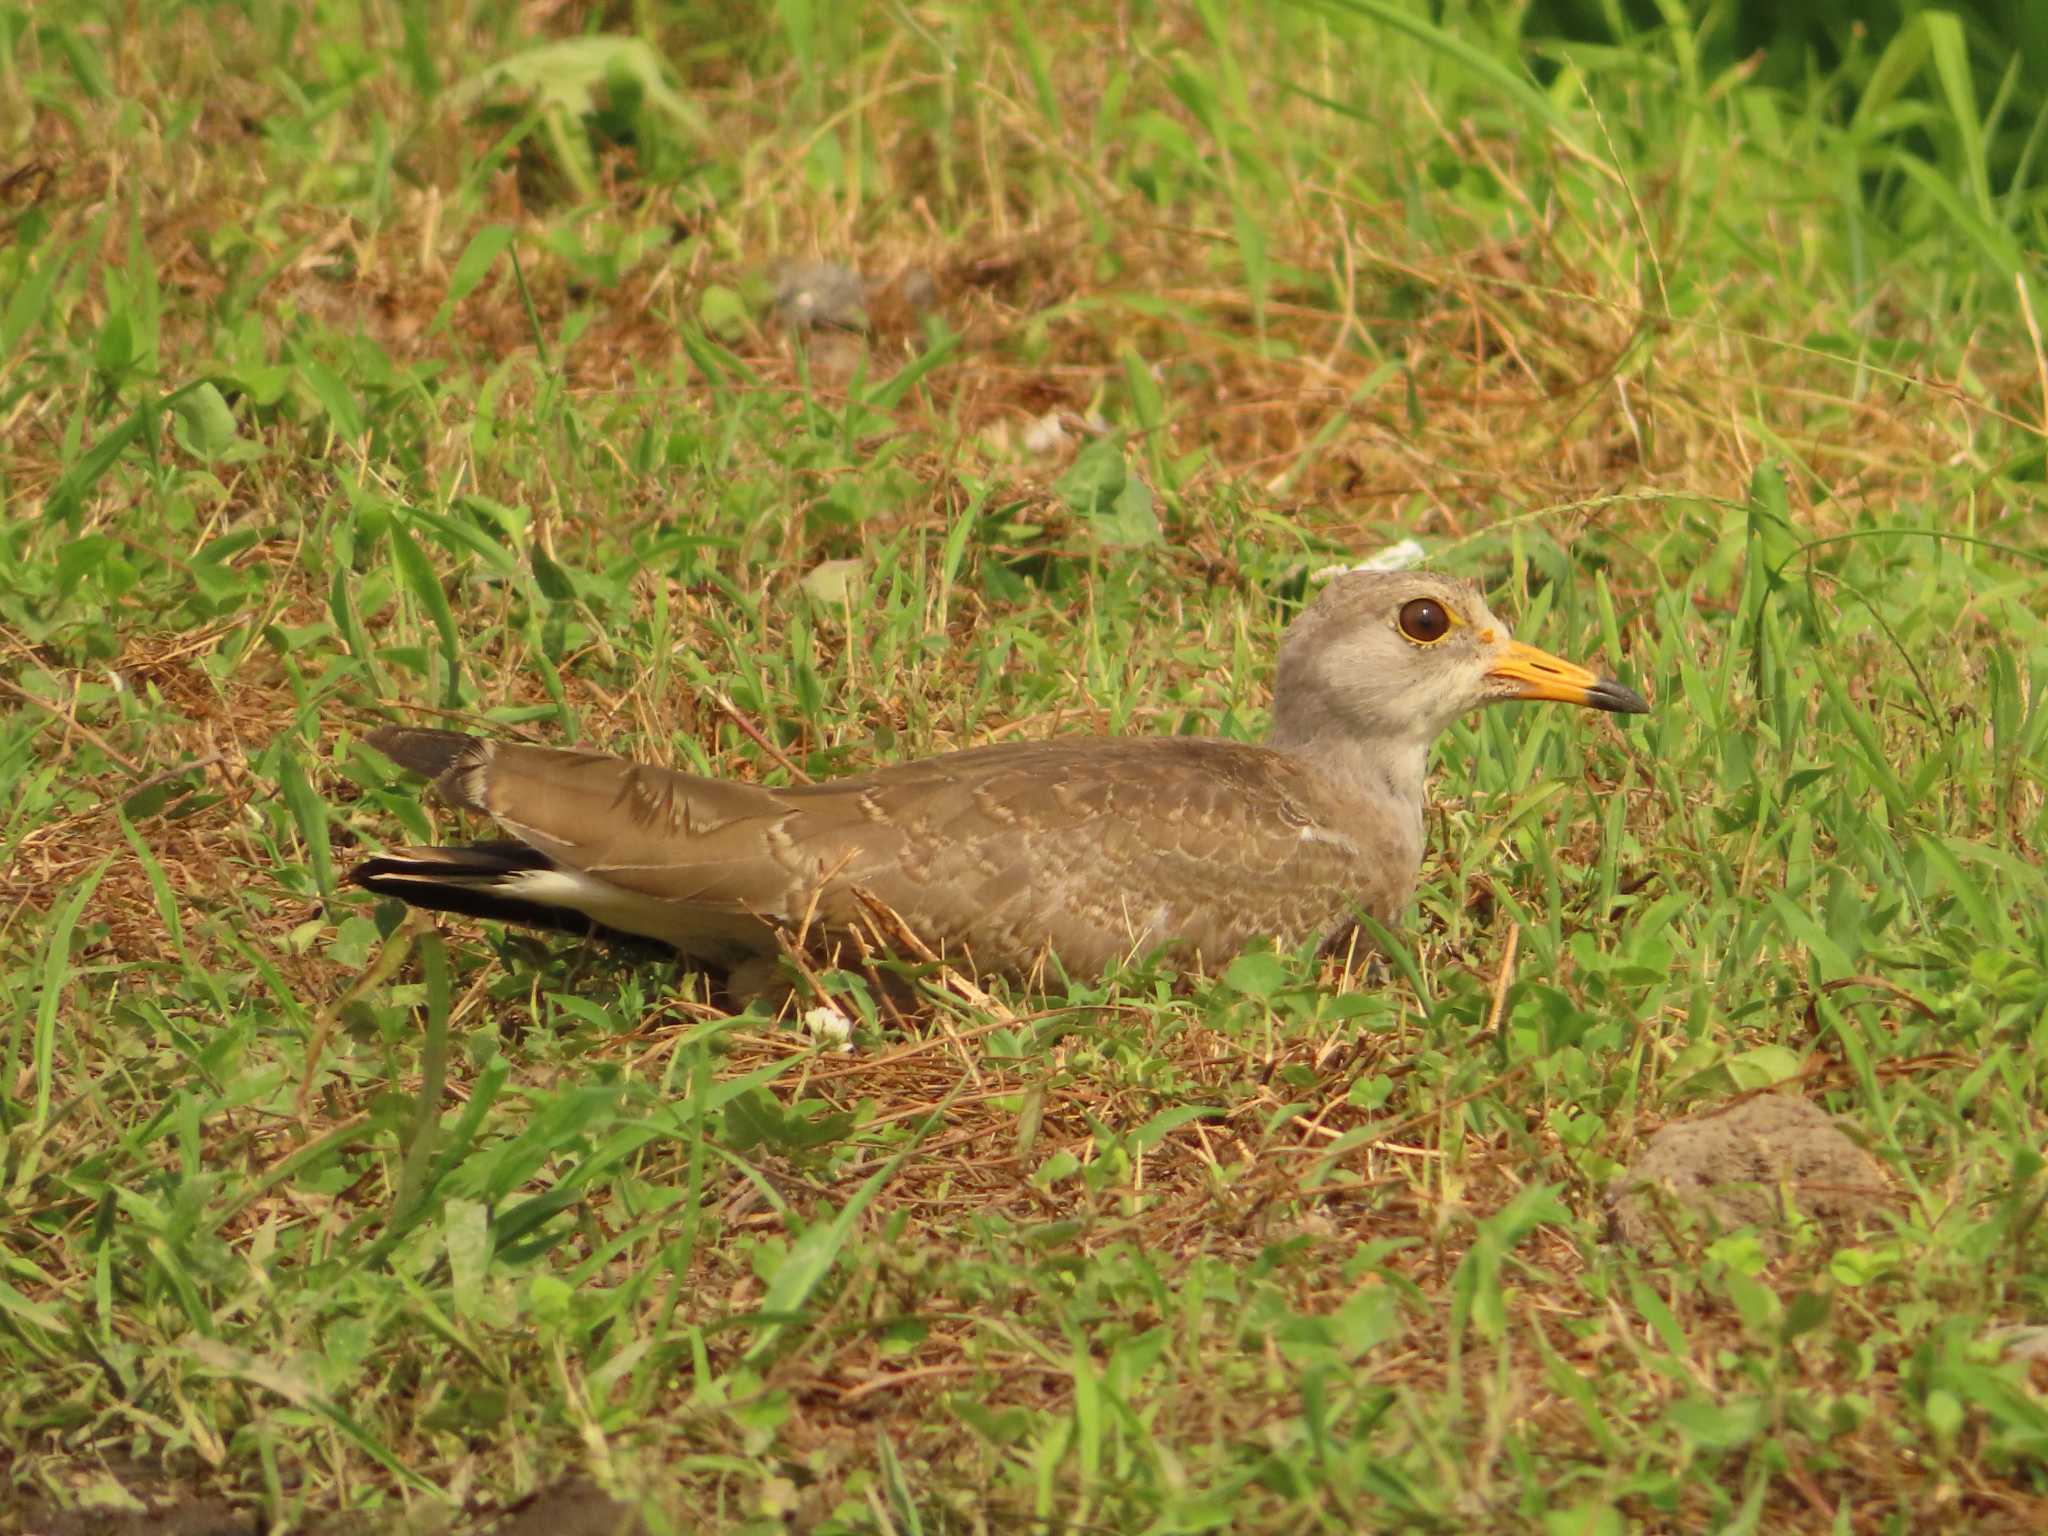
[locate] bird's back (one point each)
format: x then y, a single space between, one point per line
1092 849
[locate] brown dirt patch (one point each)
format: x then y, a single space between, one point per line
572 1508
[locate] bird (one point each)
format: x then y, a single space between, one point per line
1080 853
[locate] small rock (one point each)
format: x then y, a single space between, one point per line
814 295
1751 1165
576 1507
1404 556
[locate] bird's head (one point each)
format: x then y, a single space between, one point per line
1400 655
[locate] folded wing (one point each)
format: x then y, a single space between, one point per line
1091 850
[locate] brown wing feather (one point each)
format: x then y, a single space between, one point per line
1093 850
1103 849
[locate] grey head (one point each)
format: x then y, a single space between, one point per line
1392 658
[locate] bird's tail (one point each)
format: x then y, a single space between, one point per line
474 879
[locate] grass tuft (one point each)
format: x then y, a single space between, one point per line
376 362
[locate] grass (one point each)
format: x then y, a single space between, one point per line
373 362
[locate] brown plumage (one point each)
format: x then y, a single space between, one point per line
1087 850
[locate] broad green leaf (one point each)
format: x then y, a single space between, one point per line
817 1248
209 422
334 398
309 813
418 577
476 260
29 305
1763 1066
56 973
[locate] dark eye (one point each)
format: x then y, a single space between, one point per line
1423 619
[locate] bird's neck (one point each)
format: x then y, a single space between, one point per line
1386 770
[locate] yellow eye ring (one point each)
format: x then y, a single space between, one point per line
1424 620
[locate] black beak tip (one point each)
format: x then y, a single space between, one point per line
1617 698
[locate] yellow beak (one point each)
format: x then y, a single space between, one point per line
1523 672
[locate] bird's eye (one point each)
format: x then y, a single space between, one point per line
1424 620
